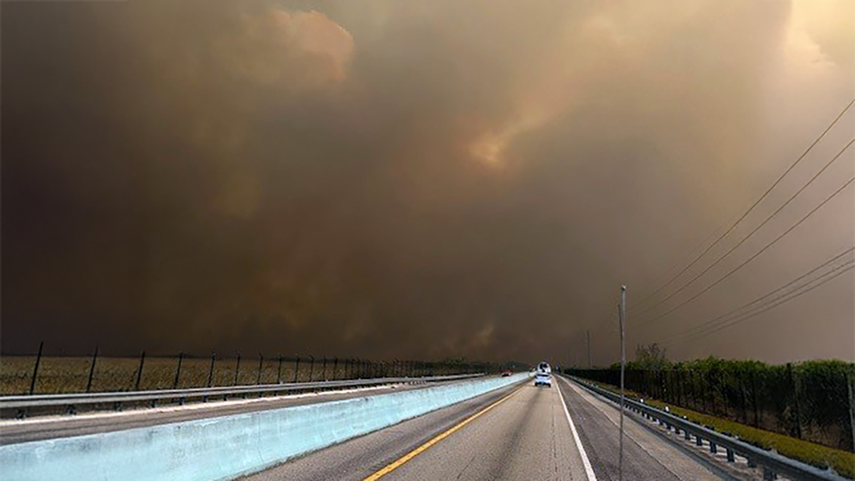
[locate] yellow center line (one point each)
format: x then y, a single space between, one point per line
424 447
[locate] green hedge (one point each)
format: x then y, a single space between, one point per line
808 400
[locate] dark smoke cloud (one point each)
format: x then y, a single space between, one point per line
409 179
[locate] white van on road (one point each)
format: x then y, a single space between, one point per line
543 375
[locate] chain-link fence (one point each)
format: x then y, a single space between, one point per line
812 400
45 374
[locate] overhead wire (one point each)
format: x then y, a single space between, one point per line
757 254
750 209
765 221
764 300
837 273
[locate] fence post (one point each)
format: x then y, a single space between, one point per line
794 390
754 395
279 371
178 371
742 398
669 386
92 369
706 389
335 369
237 369
848 377
311 367
324 370
36 368
723 390
260 367
713 380
211 371
139 372
296 367
692 389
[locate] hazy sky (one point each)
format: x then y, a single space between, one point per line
413 179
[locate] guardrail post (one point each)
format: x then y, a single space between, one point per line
768 474
139 372
296 367
178 370
92 369
36 368
713 447
730 457
699 441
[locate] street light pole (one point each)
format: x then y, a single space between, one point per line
622 315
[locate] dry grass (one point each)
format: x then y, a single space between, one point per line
71 374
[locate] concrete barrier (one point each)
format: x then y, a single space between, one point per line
230 446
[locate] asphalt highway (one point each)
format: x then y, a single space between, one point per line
518 433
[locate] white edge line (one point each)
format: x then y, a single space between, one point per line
587 462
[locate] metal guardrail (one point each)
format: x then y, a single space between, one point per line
771 463
182 395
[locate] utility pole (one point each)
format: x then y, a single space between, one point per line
622 315
588 345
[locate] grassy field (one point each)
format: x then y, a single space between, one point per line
842 462
71 374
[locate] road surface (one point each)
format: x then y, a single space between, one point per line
517 433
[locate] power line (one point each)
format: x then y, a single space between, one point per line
843 269
740 266
763 299
744 215
765 221
697 247
793 293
